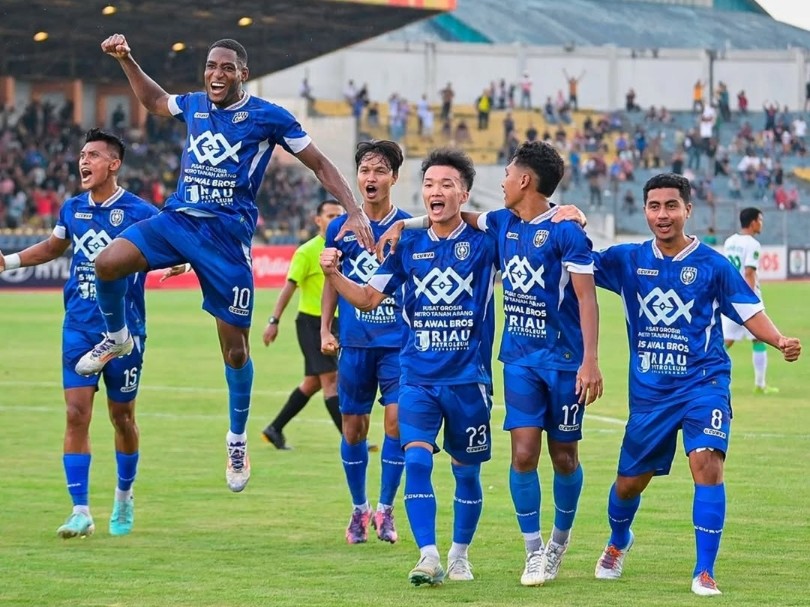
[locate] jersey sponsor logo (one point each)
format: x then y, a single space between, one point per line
462 250
664 307
91 243
512 236
201 115
522 276
540 238
83 215
363 266
688 275
428 255
117 217
443 286
646 272
239 117
213 148
349 238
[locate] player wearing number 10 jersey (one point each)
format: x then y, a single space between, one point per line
743 251
674 289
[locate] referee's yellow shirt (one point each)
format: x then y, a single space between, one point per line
305 271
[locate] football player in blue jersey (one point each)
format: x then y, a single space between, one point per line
210 220
370 342
549 344
674 290
445 276
88 223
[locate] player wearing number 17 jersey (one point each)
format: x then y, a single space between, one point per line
743 251
446 278
674 290
209 221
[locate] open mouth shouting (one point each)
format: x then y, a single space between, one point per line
86 175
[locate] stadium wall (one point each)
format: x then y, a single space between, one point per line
413 69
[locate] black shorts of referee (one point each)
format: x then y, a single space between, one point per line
308 330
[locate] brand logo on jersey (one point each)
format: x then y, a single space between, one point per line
756 254
511 236
201 115
363 266
83 215
91 243
429 255
521 275
660 307
213 148
443 285
117 217
239 117
462 250
646 272
540 238
349 238
688 275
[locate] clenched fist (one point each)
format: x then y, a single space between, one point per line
330 261
116 46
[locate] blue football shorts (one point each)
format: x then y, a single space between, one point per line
221 261
651 437
543 398
465 411
122 376
360 372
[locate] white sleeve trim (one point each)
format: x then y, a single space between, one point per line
575 268
746 311
482 221
298 144
378 282
173 107
60 232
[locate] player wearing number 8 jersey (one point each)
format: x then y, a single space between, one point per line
744 251
674 289
209 221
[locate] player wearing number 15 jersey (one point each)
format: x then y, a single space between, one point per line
674 289
445 276
743 251
88 223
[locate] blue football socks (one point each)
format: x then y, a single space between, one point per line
567 488
620 516
127 464
467 502
392 461
708 516
77 475
240 382
110 297
420 501
355 464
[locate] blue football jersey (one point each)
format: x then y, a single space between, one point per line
672 307
541 312
226 154
447 288
91 227
380 328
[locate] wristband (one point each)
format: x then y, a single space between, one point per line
416 223
13 261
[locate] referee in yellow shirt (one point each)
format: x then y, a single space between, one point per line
320 370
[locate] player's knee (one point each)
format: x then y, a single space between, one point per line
123 419
564 461
236 357
418 461
525 457
77 414
353 432
106 266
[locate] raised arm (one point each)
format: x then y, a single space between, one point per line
589 377
44 251
362 297
333 182
149 93
763 329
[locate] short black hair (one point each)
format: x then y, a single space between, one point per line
389 151
230 43
669 180
453 158
749 216
321 205
111 140
545 161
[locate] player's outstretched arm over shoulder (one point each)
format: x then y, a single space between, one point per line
762 327
329 343
149 93
335 183
271 330
362 297
589 378
42 252
393 234
570 212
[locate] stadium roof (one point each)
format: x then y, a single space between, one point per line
639 25
283 33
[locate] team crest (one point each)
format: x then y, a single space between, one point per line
239 117
462 250
688 275
117 217
540 237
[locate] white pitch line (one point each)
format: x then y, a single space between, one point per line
148 388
